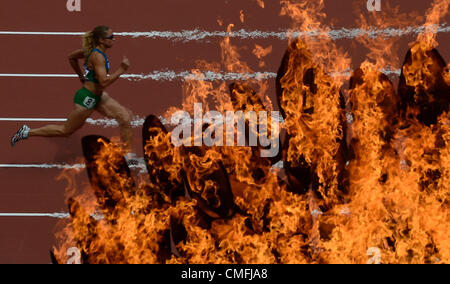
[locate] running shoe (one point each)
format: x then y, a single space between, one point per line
20 135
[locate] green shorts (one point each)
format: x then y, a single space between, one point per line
86 98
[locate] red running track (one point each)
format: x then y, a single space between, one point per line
38 190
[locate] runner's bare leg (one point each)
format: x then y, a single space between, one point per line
75 121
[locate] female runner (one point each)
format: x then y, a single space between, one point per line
92 95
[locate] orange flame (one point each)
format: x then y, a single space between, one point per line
260 3
386 191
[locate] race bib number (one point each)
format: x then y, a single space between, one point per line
89 102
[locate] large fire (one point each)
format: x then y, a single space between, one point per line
366 170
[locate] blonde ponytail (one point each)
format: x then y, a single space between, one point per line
91 39
88 43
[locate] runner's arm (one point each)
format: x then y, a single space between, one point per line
99 66
73 59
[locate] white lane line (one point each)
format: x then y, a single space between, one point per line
166 76
204 76
48 215
34 119
141 166
105 122
44 166
41 33
197 34
41 75
62 215
189 76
